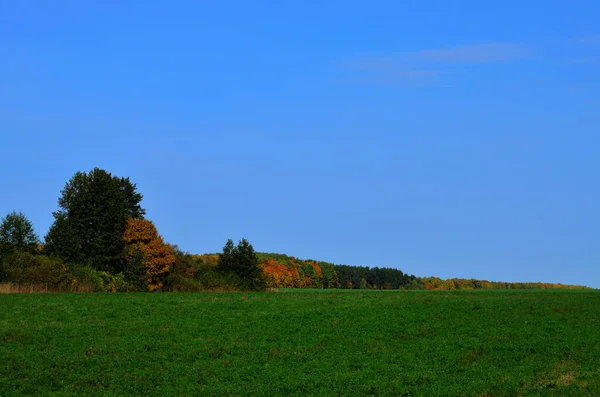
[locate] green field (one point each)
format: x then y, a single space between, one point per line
392 343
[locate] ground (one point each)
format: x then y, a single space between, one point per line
455 343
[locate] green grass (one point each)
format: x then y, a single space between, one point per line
425 343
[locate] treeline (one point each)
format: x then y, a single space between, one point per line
364 277
434 283
283 271
101 240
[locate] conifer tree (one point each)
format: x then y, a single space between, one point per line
17 234
242 261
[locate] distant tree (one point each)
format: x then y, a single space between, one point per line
88 227
17 234
363 284
330 276
279 275
185 263
242 261
227 258
181 276
146 251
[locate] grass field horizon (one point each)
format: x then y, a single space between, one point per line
328 342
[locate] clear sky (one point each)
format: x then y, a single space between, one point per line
454 141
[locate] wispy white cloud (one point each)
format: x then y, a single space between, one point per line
593 59
475 53
586 50
422 67
386 72
391 66
589 40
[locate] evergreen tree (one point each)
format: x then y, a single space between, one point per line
226 261
88 227
242 261
17 234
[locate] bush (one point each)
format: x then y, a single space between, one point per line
181 275
28 269
179 283
134 271
211 280
206 279
3 275
114 282
86 278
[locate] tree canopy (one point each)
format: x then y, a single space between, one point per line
17 234
88 227
146 251
242 261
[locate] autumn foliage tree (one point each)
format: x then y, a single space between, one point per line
146 252
278 275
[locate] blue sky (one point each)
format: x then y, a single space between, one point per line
455 141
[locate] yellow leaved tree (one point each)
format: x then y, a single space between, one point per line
145 248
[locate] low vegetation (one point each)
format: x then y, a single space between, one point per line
302 342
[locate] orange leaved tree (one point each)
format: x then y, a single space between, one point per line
146 251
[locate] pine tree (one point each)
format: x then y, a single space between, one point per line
17 234
242 261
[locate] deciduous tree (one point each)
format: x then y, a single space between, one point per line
145 247
88 227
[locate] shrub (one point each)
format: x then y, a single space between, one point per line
28 269
179 283
181 274
134 270
86 278
211 280
114 282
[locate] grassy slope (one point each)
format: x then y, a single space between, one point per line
299 343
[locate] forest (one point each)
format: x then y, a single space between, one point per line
102 241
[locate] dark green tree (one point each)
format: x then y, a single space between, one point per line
226 261
63 241
17 234
88 228
242 261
